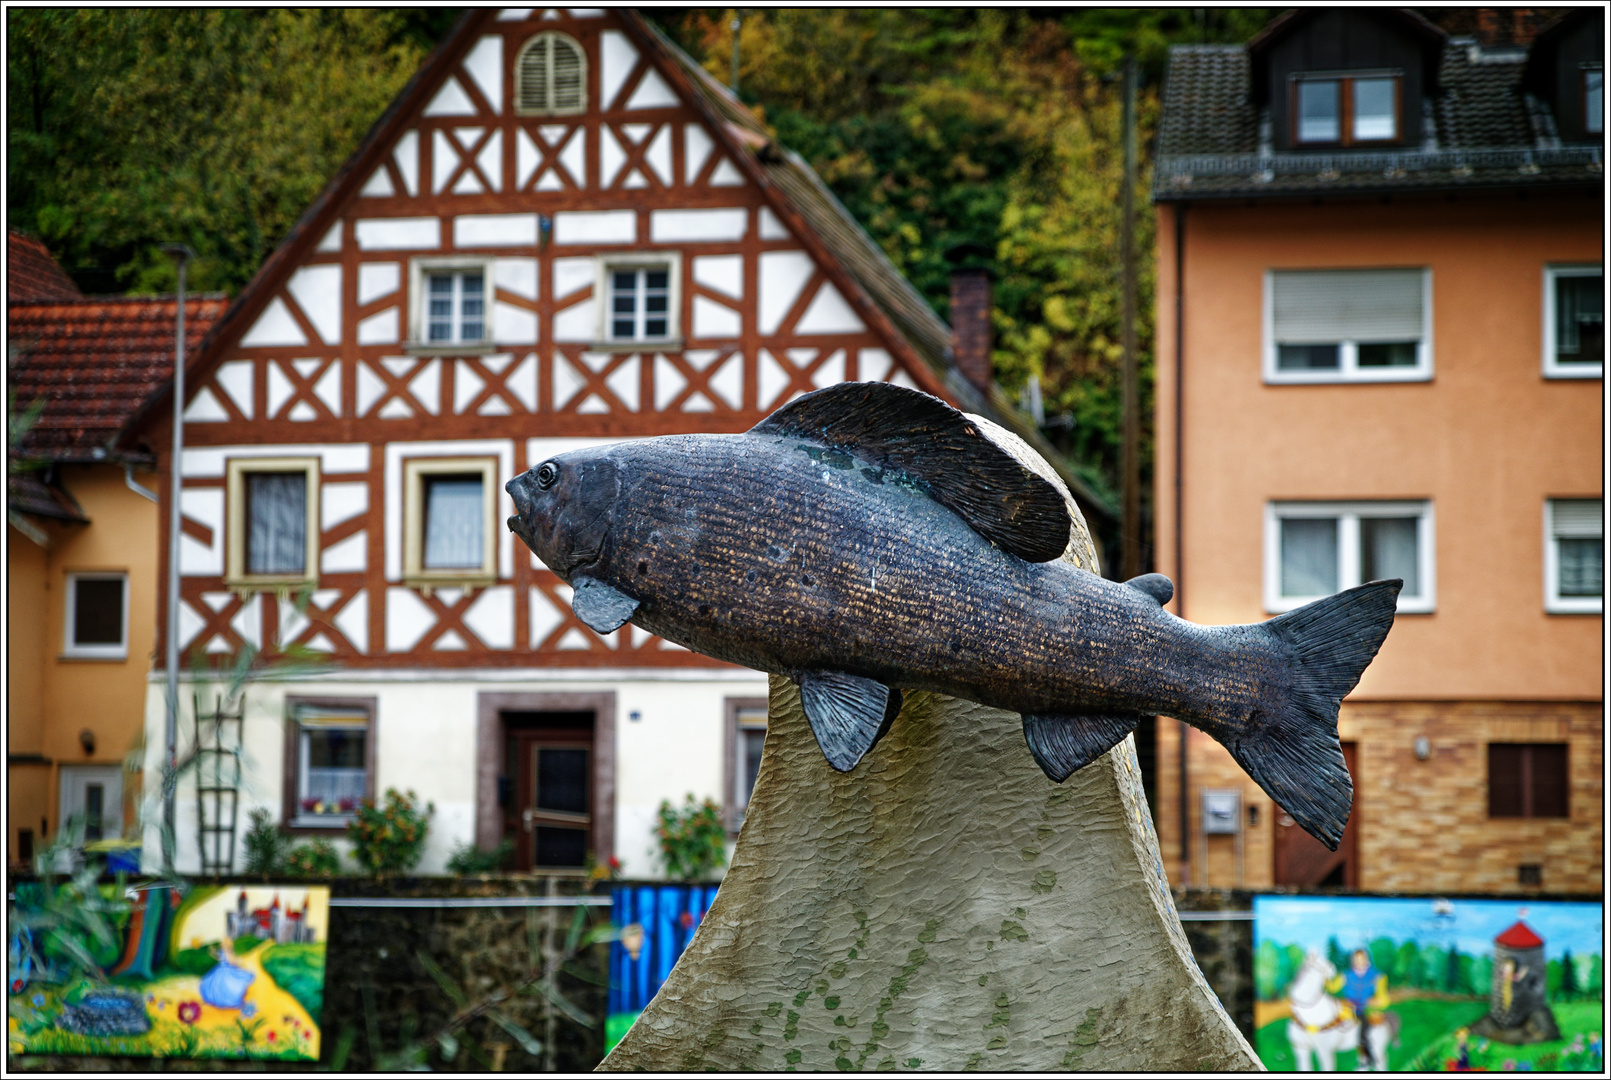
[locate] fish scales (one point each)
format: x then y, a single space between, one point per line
866 540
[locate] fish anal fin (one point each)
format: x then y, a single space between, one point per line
1157 586
1063 745
848 714
604 608
961 468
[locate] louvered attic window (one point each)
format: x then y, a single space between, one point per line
552 77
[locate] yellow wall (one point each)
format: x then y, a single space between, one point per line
53 698
1488 439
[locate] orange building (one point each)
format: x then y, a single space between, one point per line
81 546
1380 348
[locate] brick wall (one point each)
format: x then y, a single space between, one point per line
1423 826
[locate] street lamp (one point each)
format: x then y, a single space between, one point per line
182 255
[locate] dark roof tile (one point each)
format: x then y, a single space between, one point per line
94 360
32 274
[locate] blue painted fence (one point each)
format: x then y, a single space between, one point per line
668 914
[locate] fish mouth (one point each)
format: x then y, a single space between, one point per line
518 527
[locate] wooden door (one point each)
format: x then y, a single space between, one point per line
1300 859
553 824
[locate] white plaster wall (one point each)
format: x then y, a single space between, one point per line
425 740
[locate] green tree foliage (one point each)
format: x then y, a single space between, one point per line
1384 957
129 127
943 126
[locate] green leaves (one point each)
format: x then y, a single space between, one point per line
693 841
130 127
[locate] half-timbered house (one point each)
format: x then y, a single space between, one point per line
562 232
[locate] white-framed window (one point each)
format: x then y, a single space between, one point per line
642 300
551 77
1361 107
449 521
329 762
451 304
273 522
1323 326
1574 322
1574 556
1315 549
97 616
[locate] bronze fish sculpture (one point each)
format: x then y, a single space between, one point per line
866 539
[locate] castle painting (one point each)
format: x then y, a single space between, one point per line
220 972
1428 985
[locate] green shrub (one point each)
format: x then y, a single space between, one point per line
693 841
193 961
299 971
469 859
266 846
390 839
316 859
247 942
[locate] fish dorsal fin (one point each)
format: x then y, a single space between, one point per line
1157 586
921 436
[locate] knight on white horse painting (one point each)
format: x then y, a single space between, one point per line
1321 1024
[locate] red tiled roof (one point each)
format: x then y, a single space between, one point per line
1519 937
30 493
32 275
94 361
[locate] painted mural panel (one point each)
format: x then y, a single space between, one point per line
1440 985
222 972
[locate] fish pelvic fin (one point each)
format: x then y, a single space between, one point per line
1290 747
848 714
1062 745
604 608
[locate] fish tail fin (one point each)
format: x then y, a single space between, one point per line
1291 748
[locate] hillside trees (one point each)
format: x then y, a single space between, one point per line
131 127
1001 128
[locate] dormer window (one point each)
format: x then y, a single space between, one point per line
1346 109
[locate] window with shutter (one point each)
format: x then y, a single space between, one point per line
552 77
1574 322
1347 325
1528 780
1574 556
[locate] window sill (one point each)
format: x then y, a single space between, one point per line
120 656
1331 378
322 824
646 345
445 348
281 586
1565 607
1574 371
425 583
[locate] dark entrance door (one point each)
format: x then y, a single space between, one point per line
549 761
1300 859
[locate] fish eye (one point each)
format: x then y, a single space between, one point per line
547 473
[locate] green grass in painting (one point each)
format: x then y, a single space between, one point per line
299 971
1427 1041
615 1026
192 961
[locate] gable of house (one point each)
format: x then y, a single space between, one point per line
561 231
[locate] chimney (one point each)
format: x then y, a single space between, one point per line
970 314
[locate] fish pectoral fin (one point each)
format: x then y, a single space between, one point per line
1063 745
604 608
1157 586
848 714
